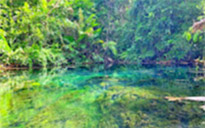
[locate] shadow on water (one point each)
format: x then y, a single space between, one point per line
118 97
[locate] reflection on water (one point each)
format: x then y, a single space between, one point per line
119 97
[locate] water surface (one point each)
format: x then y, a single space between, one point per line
118 97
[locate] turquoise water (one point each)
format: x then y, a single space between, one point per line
116 97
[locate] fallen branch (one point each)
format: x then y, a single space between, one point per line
203 107
199 98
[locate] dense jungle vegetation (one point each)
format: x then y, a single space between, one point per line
102 63
74 32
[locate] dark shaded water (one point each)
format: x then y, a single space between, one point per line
118 97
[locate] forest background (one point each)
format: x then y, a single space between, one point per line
45 33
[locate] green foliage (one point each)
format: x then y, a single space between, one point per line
199 37
110 45
41 33
56 32
4 47
188 36
147 29
31 32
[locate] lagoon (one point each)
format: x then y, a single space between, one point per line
98 97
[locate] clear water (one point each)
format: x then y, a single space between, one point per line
118 97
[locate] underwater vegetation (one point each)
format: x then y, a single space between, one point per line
99 99
145 107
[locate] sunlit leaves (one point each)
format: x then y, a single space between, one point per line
188 36
195 37
44 6
36 26
81 18
4 47
110 45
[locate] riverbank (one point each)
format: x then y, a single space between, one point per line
195 62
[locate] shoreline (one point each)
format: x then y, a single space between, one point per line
200 63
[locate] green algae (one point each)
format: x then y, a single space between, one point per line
138 107
102 100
